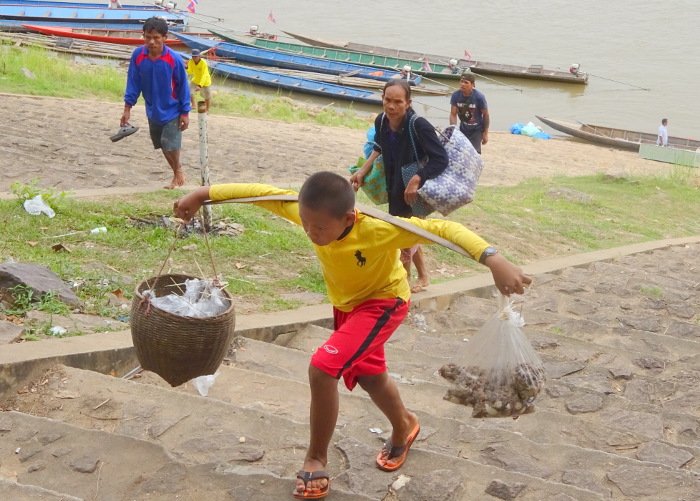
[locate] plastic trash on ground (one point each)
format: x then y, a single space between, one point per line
201 299
37 205
529 129
203 383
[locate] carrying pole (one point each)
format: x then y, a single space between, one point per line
204 157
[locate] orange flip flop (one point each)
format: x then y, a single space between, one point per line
308 476
399 453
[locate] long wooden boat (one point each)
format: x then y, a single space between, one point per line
456 65
294 84
266 57
101 5
428 69
619 138
122 37
14 16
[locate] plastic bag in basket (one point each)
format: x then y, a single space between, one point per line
501 374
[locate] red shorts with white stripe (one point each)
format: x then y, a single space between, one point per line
356 348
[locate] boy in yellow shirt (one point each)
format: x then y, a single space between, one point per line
367 286
201 80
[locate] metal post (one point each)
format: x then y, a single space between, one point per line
204 157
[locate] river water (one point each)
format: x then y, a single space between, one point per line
624 45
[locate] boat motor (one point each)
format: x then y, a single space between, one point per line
254 29
406 72
574 69
159 3
171 5
453 66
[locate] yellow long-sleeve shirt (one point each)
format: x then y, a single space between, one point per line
365 264
200 71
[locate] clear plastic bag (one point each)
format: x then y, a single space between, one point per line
202 298
501 374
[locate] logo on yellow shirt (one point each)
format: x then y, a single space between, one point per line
361 260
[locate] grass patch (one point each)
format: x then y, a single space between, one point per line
58 76
273 257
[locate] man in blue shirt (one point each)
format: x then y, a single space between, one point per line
158 73
469 105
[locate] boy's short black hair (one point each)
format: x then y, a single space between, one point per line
468 76
156 23
328 191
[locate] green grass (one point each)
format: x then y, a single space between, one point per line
273 257
61 77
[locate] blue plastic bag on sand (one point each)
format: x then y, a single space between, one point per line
516 128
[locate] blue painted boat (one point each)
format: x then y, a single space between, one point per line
266 57
14 16
79 4
295 84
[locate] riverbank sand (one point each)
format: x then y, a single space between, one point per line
65 143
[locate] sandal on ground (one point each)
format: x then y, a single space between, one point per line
127 130
308 476
399 453
418 288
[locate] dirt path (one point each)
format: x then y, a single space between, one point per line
65 142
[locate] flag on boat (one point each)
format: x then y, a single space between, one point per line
469 56
271 17
192 5
427 67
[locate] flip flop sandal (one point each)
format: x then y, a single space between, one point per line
307 476
399 453
127 130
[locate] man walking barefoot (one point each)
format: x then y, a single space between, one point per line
158 73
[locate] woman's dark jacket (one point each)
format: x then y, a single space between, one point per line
401 153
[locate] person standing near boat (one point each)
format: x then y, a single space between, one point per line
662 139
201 79
393 142
469 105
158 74
114 4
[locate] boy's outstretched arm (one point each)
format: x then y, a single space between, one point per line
508 277
187 206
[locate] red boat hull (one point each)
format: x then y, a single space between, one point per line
131 37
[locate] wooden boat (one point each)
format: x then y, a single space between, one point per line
286 60
295 84
101 5
619 138
14 16
431 69
122 37
458 65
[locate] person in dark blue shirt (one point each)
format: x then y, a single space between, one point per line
393 142
469 105
158 73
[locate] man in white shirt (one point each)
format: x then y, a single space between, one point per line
662 139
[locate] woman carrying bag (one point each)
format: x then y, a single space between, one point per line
397 149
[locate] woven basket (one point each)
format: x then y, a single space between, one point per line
178 348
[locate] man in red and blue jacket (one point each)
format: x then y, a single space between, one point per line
158 73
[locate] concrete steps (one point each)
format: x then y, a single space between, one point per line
620 417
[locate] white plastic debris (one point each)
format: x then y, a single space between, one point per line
378 431
201 299
203 383
37 205
57 330
101 229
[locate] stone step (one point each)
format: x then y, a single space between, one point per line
591 399
14 491
46 457
201 432
602 442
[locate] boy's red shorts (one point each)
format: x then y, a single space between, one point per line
356 348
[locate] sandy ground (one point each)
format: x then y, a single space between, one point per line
65 142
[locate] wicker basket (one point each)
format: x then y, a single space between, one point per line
178 348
